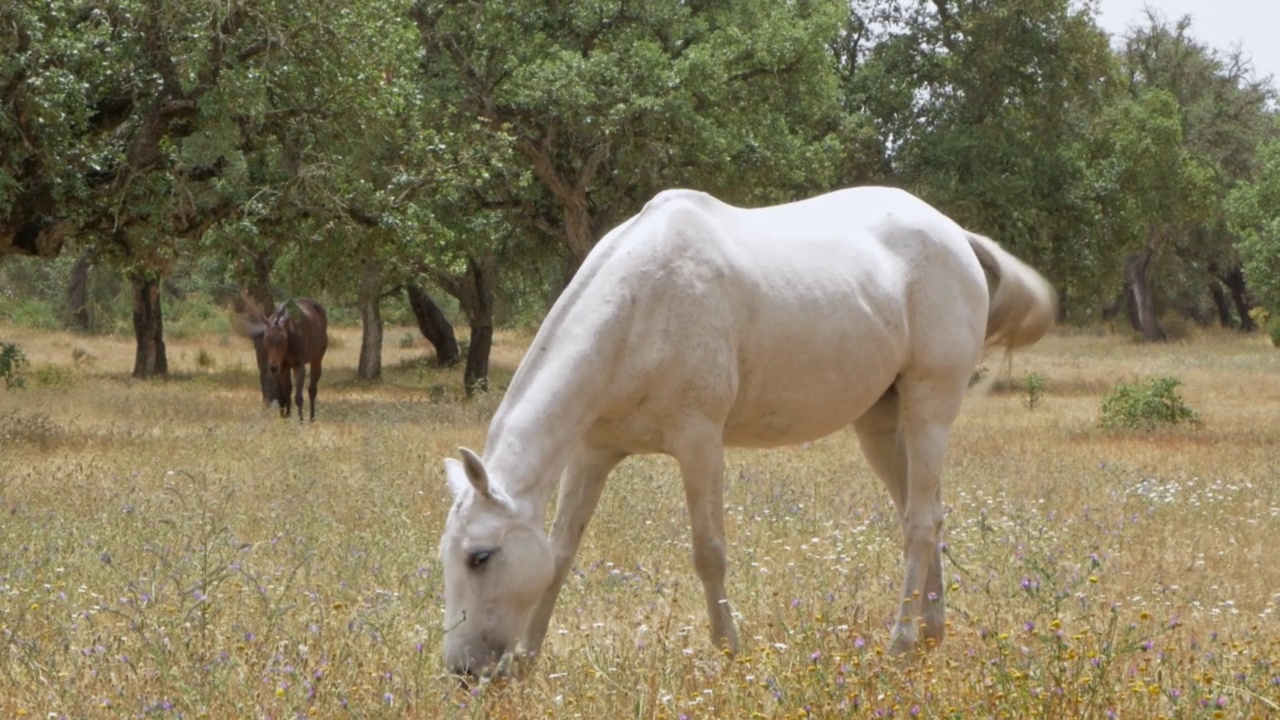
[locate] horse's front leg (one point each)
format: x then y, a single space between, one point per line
700 452
300 378
284 386
580 486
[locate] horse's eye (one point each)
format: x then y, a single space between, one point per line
478 558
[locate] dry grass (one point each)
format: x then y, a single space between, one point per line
170 549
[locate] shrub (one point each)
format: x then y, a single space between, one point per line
12 360
1036 386
1146 405
54 377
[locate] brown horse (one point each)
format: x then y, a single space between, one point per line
292 341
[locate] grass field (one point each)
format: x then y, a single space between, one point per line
171 549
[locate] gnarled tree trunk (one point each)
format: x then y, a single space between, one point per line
370 365
474 290
434 325
258 288
1144 305
1234 280
1220 303
148 328
78 292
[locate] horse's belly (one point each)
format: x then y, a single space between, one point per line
807 412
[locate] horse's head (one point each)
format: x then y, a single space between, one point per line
275 338
251 321
497 565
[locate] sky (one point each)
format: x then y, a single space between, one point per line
1220 24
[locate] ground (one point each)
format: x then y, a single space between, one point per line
172 549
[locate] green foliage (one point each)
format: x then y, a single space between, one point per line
1146 405
1036 387
1253 211
1271 323
54 377
12 362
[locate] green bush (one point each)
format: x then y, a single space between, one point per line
54 377
1036 387
12 361
1146 405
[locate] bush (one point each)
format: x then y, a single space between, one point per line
1036 386
12 361
54 377
1146 405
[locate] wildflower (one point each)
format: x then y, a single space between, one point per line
815 655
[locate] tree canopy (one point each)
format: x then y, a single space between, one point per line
485 147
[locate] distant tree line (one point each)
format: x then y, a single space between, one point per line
400 147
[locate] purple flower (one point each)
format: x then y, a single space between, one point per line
815 655
1029 626
858 642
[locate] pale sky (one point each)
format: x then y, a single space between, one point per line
1221 24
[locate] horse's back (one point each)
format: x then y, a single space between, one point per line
788 322
313 326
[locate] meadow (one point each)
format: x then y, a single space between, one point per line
173 549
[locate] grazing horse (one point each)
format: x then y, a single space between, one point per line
292 341
696 325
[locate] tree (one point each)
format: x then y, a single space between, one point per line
1221 110
985 108
1253 212
603 103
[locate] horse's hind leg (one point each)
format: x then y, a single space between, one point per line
926 407
580 486
700 452
311 391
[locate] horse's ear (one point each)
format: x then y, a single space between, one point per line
470 471
456 476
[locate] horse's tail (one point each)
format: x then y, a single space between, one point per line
1023 304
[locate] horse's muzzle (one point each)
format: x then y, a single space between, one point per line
491 665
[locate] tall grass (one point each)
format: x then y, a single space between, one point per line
170 549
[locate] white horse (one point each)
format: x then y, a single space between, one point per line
697 325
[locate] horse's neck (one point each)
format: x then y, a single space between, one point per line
533 436
551 403
560 386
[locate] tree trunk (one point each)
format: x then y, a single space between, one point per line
1135 273
474 291
370 366
259 289
1220 302
78 292
148 328
434 325
1234 280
